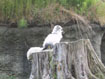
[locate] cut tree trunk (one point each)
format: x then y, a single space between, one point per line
75 60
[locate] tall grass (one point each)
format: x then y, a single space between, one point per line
14 10
98 13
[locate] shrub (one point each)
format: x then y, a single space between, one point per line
22 23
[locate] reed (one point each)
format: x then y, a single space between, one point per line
13 10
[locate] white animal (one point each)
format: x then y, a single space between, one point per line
53 38
50 40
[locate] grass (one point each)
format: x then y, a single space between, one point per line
49 10
5 76
22 23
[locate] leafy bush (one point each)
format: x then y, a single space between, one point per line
22 23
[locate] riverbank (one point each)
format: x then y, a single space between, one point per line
24 13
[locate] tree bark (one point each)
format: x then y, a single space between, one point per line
75 60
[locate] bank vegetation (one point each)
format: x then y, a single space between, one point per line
25 12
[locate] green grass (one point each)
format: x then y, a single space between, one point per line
5 76
22 23
14 10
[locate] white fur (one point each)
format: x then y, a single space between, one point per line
33 50
54 37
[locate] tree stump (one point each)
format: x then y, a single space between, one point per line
75 60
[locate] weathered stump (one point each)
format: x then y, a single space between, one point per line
75 60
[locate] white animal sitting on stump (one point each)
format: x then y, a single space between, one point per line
53 38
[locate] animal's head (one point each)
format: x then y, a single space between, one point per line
57 29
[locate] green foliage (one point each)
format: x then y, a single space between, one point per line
11 77
22 23
82 6
100 9
21 7
14 10
100 12
4 76
63 2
